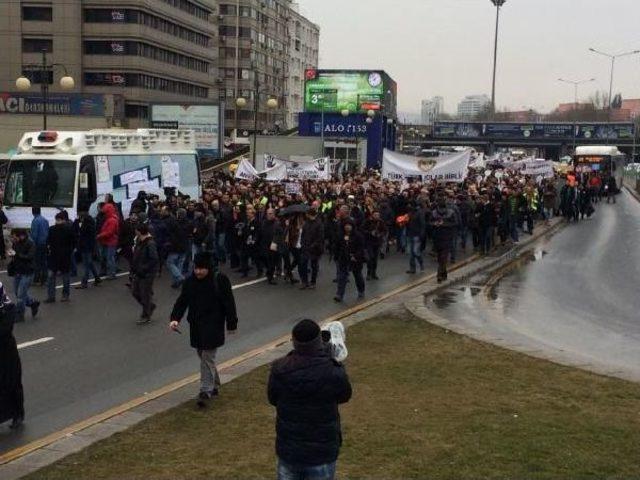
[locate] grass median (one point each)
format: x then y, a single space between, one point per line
427 404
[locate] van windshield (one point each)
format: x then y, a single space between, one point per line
46 183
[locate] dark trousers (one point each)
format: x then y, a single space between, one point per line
307 261
245 256
372 262
142 290
271 260
443 257
89 267
343 276
40 271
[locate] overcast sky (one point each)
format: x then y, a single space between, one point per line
445 47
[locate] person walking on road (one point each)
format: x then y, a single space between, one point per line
611 189
349 257
144 268
108 238
85 227
306 388
39 236
22 268
11 392
443 221
212 308
176 247
312 245
414 231
61 244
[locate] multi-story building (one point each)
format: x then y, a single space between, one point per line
253 63
137 51
472 105
431 110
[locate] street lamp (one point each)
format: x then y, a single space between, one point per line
613 64
272 104
498 4
576 84
23 84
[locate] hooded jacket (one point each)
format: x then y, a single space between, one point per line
108 235
306 388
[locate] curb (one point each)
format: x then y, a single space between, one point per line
633 193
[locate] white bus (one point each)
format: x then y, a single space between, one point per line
73 171
606 161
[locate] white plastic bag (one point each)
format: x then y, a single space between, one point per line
338 341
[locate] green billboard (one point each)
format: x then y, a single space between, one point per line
334 91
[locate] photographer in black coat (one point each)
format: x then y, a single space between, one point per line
11 392
209 299
306 388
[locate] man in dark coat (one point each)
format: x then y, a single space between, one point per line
60 245
85 227
350 257
176 247
11 393
443 221
209 299
270 230
306 388
312 245
22 267
144 267
415 231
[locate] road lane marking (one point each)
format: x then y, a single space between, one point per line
34 342
136 402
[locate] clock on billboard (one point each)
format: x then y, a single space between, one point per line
375 79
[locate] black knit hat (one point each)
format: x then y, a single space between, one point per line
305 331
202 260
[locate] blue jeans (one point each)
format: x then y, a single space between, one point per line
513 227
174 263
89 267
109 254
188 259
416 254
51 284
221 251
318 472
21 284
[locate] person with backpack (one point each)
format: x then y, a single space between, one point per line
208 298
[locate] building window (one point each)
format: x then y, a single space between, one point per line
226 9
136 111
148 82
37 14
190 8
37 45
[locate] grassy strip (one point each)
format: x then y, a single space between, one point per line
427 404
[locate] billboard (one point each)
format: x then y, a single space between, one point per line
560 131
57 104
205 120
333 91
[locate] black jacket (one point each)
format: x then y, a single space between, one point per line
267 231
177 239
211 307
350 252
86 233
24 261
61 243
312 240
11 394
306 389
443 222
145 259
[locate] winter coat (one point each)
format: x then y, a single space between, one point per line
350 252
443 232
176 241
85 230
267 231
23 262
108 235
416 225
39 230
60 245
11 394
145 259
306 389
211 308
375 230
312 241
250 236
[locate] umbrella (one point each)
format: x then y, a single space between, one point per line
294 209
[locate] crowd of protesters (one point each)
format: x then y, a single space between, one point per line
270 229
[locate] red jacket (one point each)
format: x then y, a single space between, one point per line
108 235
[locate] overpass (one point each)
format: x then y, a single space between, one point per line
552 139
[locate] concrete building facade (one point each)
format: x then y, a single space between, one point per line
472 105
135 52
431 110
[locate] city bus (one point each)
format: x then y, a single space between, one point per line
73 171
606 161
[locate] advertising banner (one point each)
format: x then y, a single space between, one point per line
334 91
605 131
470 130
204 120
449 168
57 104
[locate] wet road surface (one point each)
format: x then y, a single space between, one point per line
574 298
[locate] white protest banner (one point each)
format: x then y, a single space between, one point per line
150 186
540 167
134 176
276 173
448 168
292 188
246 171
102 165
303 168
170 172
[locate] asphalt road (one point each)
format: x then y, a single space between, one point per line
93 356
576 299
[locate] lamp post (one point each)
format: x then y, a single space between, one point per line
498 4
23 83
241 102
576 84
613 64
